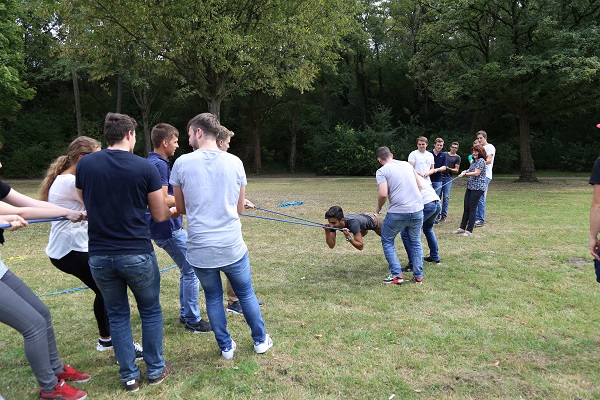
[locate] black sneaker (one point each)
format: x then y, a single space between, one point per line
408 268
181 320
167 370
139 351
201 326
104 345
235 308
132 385
431 260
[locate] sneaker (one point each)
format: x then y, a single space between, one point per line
393 280
408 268
443 219
104 345
234 308
167 370
139 351
261 348
466 233
228 354
71 374
418 281
479 224
181 320
431 260
201 326
459 231
132 385
63 391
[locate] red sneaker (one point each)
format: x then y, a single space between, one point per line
71 374
64 392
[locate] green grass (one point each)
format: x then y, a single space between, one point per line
512 312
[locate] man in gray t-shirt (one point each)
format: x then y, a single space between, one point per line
357 224
397 181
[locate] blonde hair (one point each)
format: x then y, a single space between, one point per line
80 146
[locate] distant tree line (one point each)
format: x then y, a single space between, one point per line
310 85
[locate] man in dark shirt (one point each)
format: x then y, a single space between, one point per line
357 224
595 216
452 166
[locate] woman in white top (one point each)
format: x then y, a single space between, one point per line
68 242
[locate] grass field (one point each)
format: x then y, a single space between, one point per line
512 312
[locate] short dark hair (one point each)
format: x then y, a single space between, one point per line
162 132
116 127
383 152
480 150
335 212
209 123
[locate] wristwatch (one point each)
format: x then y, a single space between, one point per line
348 239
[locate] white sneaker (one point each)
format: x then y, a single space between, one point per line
261 348
459 231
228 355
467 233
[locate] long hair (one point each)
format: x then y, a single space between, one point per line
81 145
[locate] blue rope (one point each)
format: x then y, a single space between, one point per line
449 182
35 221
77 289
315 225
293 203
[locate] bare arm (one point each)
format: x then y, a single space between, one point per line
489 159
241 200
179 200
455 169
169 200
158 209
595 222
357 241
39 213
329 237
17 199
382 193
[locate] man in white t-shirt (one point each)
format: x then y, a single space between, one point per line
421 159
397 181
490 150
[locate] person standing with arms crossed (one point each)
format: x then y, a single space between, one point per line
209 187
170 235
452 166
117 187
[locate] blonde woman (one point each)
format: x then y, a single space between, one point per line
68 242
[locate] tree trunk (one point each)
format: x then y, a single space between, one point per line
255 124
146 106
527 168
214 105
119 93
294 132
77 103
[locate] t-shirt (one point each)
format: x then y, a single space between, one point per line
595 177
211 181
490 149
66 236
451 161
4 191
359 222
428 193
115 186
477 182
162 230
438 161
403 193
422 161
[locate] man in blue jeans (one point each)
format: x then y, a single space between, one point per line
397 181
117 187
452 166
209 187
490 150
170 235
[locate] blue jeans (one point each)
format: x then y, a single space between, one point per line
430 213
445 197
176 247
480 214
394 223
437 186
138 272
240 277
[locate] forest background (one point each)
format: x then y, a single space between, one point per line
309 86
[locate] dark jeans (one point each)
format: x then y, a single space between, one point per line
76 263
470 208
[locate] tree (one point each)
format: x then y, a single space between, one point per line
535 59
13 90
